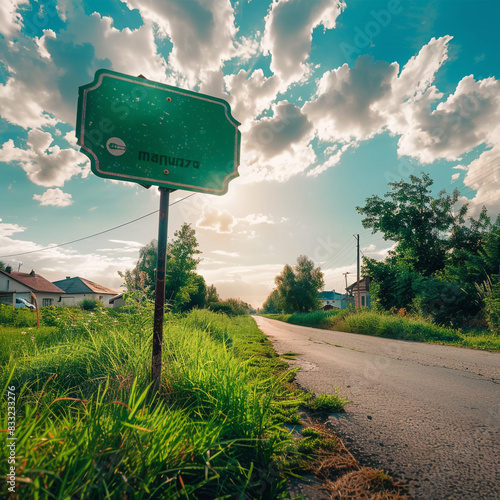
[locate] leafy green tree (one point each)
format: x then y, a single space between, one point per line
197 299
440 257
415 220
181 264
212 296
270 306
2 266
142 278
182 282
298 287
493 305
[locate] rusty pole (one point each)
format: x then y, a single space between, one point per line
161 266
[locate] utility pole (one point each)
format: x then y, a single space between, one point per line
345 276
358 298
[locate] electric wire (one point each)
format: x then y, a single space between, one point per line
95 234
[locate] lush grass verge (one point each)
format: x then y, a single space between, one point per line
389 325
87 425
317 319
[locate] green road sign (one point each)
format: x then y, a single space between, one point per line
134 129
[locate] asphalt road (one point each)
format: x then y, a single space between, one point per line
428 414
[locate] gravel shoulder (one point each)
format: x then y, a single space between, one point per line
428 414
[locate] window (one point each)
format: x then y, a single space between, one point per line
47 302
362 300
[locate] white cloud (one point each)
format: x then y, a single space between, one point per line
250 94
277 147
254 219
55 263
344 106
225 254
130 51
54 197
217 220
10 19
44 164
288 33
202 31
7 229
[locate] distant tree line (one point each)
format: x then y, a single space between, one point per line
185 289
296 289
444 266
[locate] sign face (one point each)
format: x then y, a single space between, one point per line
134 129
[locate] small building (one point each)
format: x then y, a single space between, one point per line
78 289
117 301
20 285
332 300
364 291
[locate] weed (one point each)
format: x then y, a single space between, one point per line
327 403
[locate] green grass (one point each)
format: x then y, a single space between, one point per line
326 403
87 425
369 322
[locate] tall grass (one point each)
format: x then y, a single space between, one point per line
88 426
389 325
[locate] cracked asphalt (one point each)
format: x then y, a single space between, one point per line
428 414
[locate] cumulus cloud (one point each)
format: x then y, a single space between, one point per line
54 197
45 165
344 104
202 32
226 254
55 263
288 33
129 51
11 20
216 220
277 147
250 93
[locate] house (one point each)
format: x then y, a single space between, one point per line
333 299
117 301
77 289
20 285
364 291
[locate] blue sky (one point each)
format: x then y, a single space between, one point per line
336 99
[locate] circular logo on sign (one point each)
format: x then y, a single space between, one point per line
116 146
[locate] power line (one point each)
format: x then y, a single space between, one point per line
95 234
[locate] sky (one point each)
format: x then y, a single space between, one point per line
335 98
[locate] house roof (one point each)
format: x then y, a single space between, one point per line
331 295
34 281
82 285
364 283
116 297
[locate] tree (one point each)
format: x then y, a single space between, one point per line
271 306
2 266
181 264
297 287
416 221
441 257
142 278
182 283
212 296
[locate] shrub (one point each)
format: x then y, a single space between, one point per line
90 304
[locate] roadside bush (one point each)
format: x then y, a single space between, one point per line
90 304
493 305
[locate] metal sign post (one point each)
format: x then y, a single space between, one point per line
161 270
133 129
